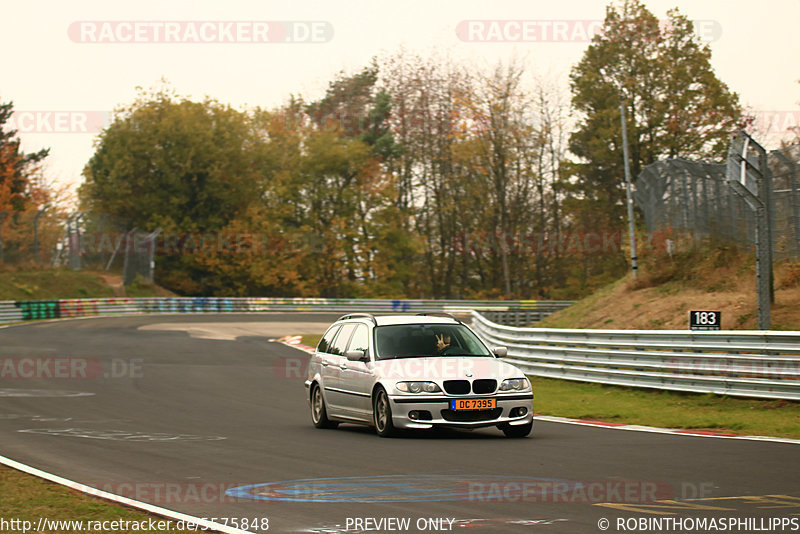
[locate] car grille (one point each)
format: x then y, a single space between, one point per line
470 416
462 387
484 386
456 387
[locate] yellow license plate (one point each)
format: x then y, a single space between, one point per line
473 404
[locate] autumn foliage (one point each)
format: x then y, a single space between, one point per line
23 193
418 176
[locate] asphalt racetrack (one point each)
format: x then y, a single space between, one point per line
205 415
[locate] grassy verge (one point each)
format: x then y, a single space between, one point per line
569 317
666 409
47 284
52 284
27 498
312 340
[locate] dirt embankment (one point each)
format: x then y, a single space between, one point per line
669 287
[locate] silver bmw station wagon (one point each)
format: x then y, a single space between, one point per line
414 372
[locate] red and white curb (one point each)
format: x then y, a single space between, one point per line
296 342
656 430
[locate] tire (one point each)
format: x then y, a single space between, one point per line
319 414
516 431
382 414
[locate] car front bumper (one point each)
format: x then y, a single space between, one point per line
411 412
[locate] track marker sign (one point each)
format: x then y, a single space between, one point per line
705 320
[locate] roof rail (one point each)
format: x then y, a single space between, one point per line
357 315
441 314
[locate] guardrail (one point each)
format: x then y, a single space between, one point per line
520 311
763 364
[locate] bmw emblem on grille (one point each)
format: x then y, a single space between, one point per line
469 373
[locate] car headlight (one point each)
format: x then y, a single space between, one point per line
515 384
418 387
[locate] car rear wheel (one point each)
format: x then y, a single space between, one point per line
516 431
319 414
382 414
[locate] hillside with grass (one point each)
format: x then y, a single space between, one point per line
700 277
46 284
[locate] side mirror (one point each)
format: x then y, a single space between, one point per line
500 352
355 355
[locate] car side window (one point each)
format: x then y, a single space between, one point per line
325 342
360 339
340 342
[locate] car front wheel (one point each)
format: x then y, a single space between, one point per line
382 414
319 414
516 431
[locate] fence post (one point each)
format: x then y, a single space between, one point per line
75 243
741 167
126 265
766 195
36 233
629 195
99 237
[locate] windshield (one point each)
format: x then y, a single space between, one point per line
427 340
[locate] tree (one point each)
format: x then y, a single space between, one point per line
326 213
676 106
23 193
182 165
546 156
347 187
499 111
477 172
354 108
18 187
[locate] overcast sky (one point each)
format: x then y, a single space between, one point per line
67 64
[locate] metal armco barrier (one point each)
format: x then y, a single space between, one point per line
762 364
522 311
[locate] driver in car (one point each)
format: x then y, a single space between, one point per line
442 343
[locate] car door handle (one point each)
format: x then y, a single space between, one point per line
343 365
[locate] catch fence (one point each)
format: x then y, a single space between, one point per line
694 197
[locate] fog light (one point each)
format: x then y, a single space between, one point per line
518 412
420 415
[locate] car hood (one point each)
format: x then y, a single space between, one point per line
446 368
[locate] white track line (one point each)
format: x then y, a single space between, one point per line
656 430
157 510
